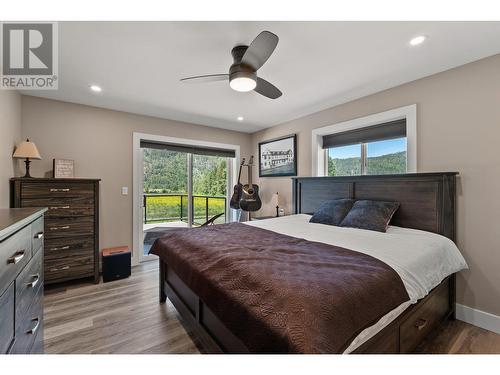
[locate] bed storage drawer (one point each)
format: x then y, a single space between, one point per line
7 319
425 318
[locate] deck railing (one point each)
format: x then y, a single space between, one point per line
160 208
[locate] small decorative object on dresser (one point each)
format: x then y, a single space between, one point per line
278 157
71 224
63 168
29 151
21 280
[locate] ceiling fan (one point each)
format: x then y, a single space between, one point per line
242 74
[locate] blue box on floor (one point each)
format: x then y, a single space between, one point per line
116 263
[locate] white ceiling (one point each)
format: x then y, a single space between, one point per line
316 64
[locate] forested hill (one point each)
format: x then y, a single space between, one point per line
166 172
385 164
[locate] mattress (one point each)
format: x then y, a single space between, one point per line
422 259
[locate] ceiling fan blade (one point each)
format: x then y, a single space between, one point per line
260 49
267 89
206 78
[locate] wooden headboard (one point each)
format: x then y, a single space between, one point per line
427 199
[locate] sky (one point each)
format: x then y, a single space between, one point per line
374 149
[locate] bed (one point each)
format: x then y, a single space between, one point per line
418 247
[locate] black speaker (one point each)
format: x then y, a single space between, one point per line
116 263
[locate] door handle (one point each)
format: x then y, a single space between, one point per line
59 269
420 324
17 257
59 248
33 330
60 228
39 235
34 282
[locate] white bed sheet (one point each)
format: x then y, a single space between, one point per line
422 259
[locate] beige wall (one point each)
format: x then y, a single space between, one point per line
458 126
10 136
100 142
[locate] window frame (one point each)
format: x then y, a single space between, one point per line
409 113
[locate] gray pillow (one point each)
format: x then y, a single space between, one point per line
332 212
371 215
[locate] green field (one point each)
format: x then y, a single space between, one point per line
165 208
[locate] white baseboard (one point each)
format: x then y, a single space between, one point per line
478 318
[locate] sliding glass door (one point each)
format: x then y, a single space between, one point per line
210 184
182 187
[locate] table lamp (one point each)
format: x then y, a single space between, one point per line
277 201
29 151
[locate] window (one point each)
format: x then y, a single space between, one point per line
377 149
344 160
372 158
386 157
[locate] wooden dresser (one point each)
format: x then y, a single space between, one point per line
21 281
71 224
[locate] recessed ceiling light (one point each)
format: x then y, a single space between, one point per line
417 40
240 118
95 88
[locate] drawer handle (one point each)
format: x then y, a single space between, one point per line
35 281
17 257
420 324
59 248
39 235
59 208
33 330
56 190
60 228
59 269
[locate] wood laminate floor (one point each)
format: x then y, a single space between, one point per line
125 317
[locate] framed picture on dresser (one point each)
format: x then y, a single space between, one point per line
278 157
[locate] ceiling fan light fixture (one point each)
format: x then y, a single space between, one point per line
243 82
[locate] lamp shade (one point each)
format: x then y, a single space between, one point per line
27 149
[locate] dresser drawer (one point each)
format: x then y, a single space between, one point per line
69 227
425 318
56 189
29 326
71 267
71 253
27 284
15 253
37 233
63 207
6 319
56 247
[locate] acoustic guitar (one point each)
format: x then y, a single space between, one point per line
250 200
234 203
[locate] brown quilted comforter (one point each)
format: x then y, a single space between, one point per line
278 293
